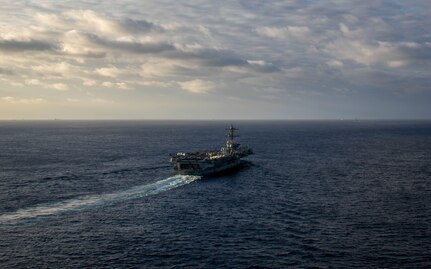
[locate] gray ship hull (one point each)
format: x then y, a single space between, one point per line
209 170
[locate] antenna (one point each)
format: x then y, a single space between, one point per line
230 135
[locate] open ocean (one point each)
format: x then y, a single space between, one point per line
322 194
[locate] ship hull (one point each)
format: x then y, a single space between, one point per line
207 170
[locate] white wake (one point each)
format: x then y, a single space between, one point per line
94 200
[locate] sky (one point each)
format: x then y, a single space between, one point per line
256 59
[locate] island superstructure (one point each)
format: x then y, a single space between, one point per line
203 163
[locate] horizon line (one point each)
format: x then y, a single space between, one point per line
269 119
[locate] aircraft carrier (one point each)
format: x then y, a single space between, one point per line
204 163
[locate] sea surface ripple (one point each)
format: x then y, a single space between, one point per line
317 194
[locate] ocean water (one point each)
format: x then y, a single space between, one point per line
316 194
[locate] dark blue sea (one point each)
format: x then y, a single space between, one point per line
316 194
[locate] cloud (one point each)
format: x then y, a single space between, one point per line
89 20
76 43
92 101
24 101
344 29
130 46
197 86
139 26
112 71
107 84
102 101
60 87
118 85
89 82
54 69
204 56
25 45
6 72
208 56
32 82
301 47
391 54
335 63
155 68
288 32
82 36
219 58
396 63
262 66
122 86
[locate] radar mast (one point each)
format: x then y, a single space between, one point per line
230 143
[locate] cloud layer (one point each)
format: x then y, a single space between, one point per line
294 59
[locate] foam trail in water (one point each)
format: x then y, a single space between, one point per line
94 200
